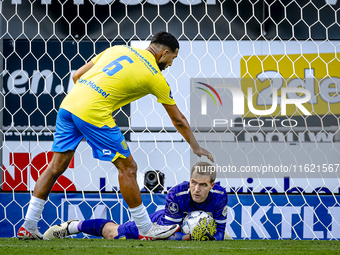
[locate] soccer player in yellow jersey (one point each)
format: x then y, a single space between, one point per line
112 79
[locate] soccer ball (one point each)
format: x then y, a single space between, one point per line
191 220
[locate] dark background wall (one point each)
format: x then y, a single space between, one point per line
217 20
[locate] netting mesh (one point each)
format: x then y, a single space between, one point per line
269 44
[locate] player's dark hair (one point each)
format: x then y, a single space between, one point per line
204 168
166 39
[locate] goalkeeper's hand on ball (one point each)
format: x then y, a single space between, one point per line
201 232
211 227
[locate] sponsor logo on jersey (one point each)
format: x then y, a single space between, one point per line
144 60
93 86
173 208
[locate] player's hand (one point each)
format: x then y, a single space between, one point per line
199 152
212 227
200 232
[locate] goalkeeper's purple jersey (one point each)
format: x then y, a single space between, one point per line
179 203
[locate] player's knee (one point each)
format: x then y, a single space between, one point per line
128 167
53 171
133 166
131 169
59 164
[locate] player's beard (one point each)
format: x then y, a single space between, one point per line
161 66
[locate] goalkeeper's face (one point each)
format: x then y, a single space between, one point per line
200 186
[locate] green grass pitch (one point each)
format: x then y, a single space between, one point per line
10 246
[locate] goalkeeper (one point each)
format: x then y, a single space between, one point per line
201 193
112 79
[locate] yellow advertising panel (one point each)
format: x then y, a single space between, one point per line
317 73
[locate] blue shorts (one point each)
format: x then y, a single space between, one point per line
129 229
107 143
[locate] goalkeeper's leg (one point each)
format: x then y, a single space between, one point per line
129 188
97 227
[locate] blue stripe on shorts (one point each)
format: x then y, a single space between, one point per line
105 141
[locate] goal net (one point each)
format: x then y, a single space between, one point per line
258 81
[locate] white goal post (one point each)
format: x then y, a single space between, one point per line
258 81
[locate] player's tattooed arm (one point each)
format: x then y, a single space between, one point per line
182 125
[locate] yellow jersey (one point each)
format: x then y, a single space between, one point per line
120 75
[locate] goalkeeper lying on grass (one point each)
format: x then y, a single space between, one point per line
201 193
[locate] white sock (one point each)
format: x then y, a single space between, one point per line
73 227
141 217
33 214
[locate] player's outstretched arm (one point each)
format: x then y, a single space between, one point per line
182 125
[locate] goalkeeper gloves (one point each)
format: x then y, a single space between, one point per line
212 227
200 232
